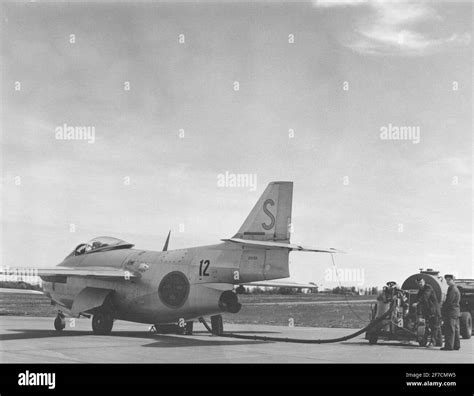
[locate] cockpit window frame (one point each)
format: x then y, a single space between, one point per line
106 243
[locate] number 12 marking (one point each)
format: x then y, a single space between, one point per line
206 266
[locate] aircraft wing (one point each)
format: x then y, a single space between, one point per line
94 272
282 283
282 245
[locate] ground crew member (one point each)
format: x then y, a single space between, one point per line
451 313
430 309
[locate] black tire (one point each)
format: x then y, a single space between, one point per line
102 323
217 325
59 323
465 325
373 338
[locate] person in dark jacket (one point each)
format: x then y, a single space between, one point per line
451 314
428 304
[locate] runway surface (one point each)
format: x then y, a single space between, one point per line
33 340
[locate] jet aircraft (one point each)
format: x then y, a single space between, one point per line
108 279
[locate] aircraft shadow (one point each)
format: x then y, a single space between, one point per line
175 342
163 340
240 332
25 334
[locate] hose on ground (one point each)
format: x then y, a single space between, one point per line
372 324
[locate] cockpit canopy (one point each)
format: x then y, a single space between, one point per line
100 244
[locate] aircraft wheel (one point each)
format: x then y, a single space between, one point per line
59 322
102 323
373 338
217 325
465 325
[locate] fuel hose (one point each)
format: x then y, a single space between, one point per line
374 323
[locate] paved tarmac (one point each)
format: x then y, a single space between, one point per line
34 340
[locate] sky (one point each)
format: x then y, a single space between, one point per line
178 94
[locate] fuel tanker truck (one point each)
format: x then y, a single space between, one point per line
405 322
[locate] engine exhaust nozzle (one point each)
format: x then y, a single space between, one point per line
229 302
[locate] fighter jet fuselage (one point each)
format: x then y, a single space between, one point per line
107 279
164 287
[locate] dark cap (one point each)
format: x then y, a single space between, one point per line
391 283
449 276
419 278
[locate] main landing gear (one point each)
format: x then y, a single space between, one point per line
102 323
60 321
187 329
172 328
217 325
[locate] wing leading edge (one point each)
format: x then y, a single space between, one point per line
100 273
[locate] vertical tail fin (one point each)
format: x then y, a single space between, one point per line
270 218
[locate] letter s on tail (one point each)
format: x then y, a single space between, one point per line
270 218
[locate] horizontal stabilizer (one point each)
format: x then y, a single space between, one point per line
280 245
